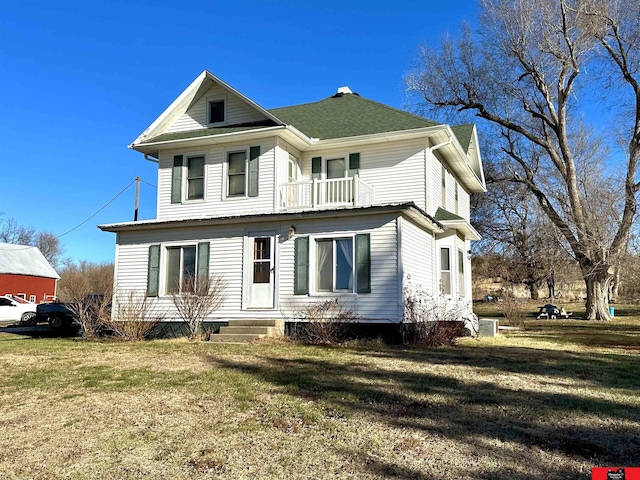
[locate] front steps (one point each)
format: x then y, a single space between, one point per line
243 331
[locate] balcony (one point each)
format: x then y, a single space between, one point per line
334 192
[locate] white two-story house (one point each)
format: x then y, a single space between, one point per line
344 197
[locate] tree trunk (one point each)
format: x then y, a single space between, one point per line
597 304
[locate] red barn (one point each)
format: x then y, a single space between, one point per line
25 273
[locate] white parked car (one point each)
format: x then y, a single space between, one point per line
14 310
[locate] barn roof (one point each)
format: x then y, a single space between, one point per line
24 260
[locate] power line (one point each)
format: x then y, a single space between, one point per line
101 208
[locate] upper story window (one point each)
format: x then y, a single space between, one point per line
444 186
335 167
188 178
216 110
237 173
242 172
195 178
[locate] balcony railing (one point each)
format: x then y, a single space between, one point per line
348 191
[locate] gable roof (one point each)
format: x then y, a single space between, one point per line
24 260
464 133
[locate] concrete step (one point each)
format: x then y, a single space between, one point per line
250 329
275 322
235 338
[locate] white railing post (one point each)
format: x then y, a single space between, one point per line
356 191
314 192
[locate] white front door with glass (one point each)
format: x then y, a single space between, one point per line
260 271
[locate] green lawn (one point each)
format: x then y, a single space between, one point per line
549 402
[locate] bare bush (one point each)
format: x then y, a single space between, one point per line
197 299
326 322
92 312
514 310
433 321
134 316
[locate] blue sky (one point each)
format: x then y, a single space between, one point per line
80 81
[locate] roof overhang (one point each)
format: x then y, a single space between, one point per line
408 209
462 226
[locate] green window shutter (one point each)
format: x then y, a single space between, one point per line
176 180
354 164
254 155
301 260
153 273
363 262
316 167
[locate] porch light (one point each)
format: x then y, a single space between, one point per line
292 231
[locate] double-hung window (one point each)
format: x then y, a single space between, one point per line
195 178
242 172
188 178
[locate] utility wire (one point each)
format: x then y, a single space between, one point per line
102 208
96 213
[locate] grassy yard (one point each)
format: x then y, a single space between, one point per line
549 402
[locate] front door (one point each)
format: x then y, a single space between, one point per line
260 271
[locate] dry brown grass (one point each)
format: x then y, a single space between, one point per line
536 404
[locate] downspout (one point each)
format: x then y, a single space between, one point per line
146 157
428 177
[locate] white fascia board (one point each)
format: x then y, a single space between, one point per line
210 139
376 137
182 103
183 98
463 226
244 98
460 163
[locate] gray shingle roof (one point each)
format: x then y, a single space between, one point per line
348 115
24 260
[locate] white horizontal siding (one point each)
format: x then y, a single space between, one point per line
238 111
382 304
215 203
418 250
464 204
226 259
395 170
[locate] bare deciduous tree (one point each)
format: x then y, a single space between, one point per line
47 242
197 299
82 278
531 73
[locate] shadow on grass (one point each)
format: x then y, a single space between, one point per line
39 331
481 415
